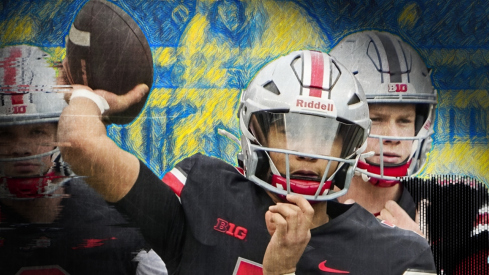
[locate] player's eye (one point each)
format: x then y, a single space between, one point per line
38 132
376 119
406 120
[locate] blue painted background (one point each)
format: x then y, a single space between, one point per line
205 52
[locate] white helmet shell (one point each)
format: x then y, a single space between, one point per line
27 87
28 96
391 71
308 84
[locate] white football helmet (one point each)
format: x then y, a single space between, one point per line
27 84
391 71
303 105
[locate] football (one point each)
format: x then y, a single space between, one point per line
106 49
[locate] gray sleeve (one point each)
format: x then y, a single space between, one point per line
424 262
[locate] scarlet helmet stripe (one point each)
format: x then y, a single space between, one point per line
317 65
10 74
175 179
10 71
314 73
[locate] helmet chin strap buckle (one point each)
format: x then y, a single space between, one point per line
365 178
368 154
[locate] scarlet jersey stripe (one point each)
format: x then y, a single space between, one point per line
240 170
175 180
247 267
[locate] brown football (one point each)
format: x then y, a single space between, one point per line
106 49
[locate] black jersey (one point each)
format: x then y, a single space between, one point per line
89 237
406 202
209 219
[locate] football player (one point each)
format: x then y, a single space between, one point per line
402 103
304 121
51 222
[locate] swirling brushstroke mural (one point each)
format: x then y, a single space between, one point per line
206 51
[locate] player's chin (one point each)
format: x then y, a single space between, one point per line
388 161
277 198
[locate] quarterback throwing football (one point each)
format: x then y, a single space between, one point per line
304 121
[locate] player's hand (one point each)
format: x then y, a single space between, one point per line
289 225
117 103
393 213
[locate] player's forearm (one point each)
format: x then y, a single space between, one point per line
79 128
86 147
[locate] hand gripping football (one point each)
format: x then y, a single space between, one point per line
106 49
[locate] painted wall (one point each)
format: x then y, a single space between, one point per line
206 51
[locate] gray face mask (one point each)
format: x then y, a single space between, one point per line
30 95
392 72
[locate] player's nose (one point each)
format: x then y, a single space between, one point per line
392 130
305 158
20 147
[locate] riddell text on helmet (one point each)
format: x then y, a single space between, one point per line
315 105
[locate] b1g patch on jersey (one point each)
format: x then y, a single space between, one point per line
231 229
247 267
315 104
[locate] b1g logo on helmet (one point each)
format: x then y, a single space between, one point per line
22 109
14 104
398 88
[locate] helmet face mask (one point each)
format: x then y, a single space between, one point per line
30 164
296 132
39 176
391 73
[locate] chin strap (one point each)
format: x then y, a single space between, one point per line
395 171
31 187
305 187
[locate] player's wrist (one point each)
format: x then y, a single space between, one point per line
101 103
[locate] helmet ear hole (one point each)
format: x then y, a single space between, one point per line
263 166
422 111
340 177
